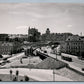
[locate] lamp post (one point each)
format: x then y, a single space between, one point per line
53 68
53 75
56 52
30 51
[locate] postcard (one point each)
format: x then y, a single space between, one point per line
41 42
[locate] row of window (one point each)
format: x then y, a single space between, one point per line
75 47
74 43
2 50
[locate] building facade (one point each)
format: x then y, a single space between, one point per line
33 35
7 47
74 45
22 37
3 37
47 36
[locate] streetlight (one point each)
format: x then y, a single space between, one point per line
30 52
55 52
55 49
53 75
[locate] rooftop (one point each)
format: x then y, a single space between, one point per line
74 38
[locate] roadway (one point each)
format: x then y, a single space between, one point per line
36 74
76 63
44 75
16 57
13 59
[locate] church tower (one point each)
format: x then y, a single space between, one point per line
28 30
47 31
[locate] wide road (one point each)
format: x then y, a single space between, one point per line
17 56
14 58
75 61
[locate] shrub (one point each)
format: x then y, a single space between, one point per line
1 56
82 69
26 78
21 80
0 80
14 79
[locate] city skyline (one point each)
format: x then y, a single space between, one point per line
58 17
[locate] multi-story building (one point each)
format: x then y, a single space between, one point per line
3 37
23 37
55 36
74 45
8 47
5 48
33 35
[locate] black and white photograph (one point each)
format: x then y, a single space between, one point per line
41 42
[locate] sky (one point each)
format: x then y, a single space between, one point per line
15 18
42 1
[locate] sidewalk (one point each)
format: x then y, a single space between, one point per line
69 55
36 74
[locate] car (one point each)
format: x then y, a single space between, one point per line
7 61
25 57
45 51
82 69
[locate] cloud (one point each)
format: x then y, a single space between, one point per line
21 27
69 26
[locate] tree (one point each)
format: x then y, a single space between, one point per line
16 39
10 74
7 39
0 80
17 73
1 56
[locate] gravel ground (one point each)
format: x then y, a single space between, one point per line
25 62
50 63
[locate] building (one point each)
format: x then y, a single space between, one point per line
8 47
3 37
33 35
47 36
47 31
74 45
22 37
5 48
